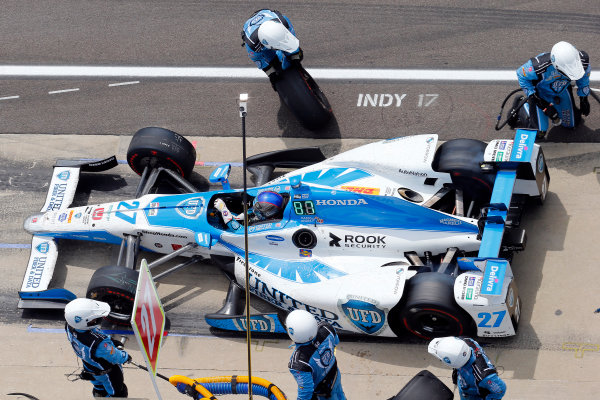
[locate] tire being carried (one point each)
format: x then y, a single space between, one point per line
116 286
159 147
430 310
301 94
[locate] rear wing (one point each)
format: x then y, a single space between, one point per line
488 283
35 292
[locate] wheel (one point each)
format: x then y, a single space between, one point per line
430 309
159 147
115 286
423 386
462 159
301 94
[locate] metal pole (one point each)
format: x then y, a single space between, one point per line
243 111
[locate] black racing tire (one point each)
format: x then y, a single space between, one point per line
159 147
303 97
422 386
116 286
429 309
462 159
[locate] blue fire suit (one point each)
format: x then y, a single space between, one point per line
263 57
314 366
539 76
100 358
478 379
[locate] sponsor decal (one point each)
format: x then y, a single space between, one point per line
499 156
190 208
493 277
502 145
164 234
62 217
258 323
34 220
469 294
471 281
158 245
70 217
98 214
284 301
274 238
348 202
358 241
450 221
318 220
109 213
77 319
305 253
256 19
175 246
297 196
558 85
305 195
464 289
429 141
57 197
522 146
363 313
262 227
413 173
43 247
35 273
360 189
64 176
326 357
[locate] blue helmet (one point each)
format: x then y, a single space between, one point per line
267 204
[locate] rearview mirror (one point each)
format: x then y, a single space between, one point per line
221 174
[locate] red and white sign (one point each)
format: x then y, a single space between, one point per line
148 319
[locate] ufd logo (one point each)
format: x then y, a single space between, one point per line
365 316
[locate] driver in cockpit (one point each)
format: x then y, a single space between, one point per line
267 205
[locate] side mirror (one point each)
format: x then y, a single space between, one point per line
205 240
221 174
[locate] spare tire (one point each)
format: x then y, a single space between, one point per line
159 147
462 159
116 286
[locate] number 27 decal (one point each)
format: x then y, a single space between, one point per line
486 319
124 205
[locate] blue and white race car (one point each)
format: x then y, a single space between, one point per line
404 234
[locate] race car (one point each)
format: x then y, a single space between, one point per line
401 235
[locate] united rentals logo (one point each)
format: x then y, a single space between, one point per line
63 176
366 316
190 208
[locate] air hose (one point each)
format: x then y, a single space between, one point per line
219 385
513 111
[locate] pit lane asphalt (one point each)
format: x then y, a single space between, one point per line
556 352
555 276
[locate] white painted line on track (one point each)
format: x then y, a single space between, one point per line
64 91
123 83
72 71
9 97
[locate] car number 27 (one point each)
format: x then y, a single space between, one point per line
494 318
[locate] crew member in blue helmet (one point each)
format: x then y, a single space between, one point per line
102 360
475 375
313 363
271 43
546 80
267 205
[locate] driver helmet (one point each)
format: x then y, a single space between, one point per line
566 60
85 314
267 204
301 326
450 350
273 35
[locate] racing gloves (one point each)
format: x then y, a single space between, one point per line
547 108
584 105
222 208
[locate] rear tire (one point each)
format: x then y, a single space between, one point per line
116 286
430 310
461 158
301 94
159 147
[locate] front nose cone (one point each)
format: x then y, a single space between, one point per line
33 223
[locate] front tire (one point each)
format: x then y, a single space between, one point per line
430 310
301 94
159 147
116 286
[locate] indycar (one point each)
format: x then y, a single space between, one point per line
401 235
